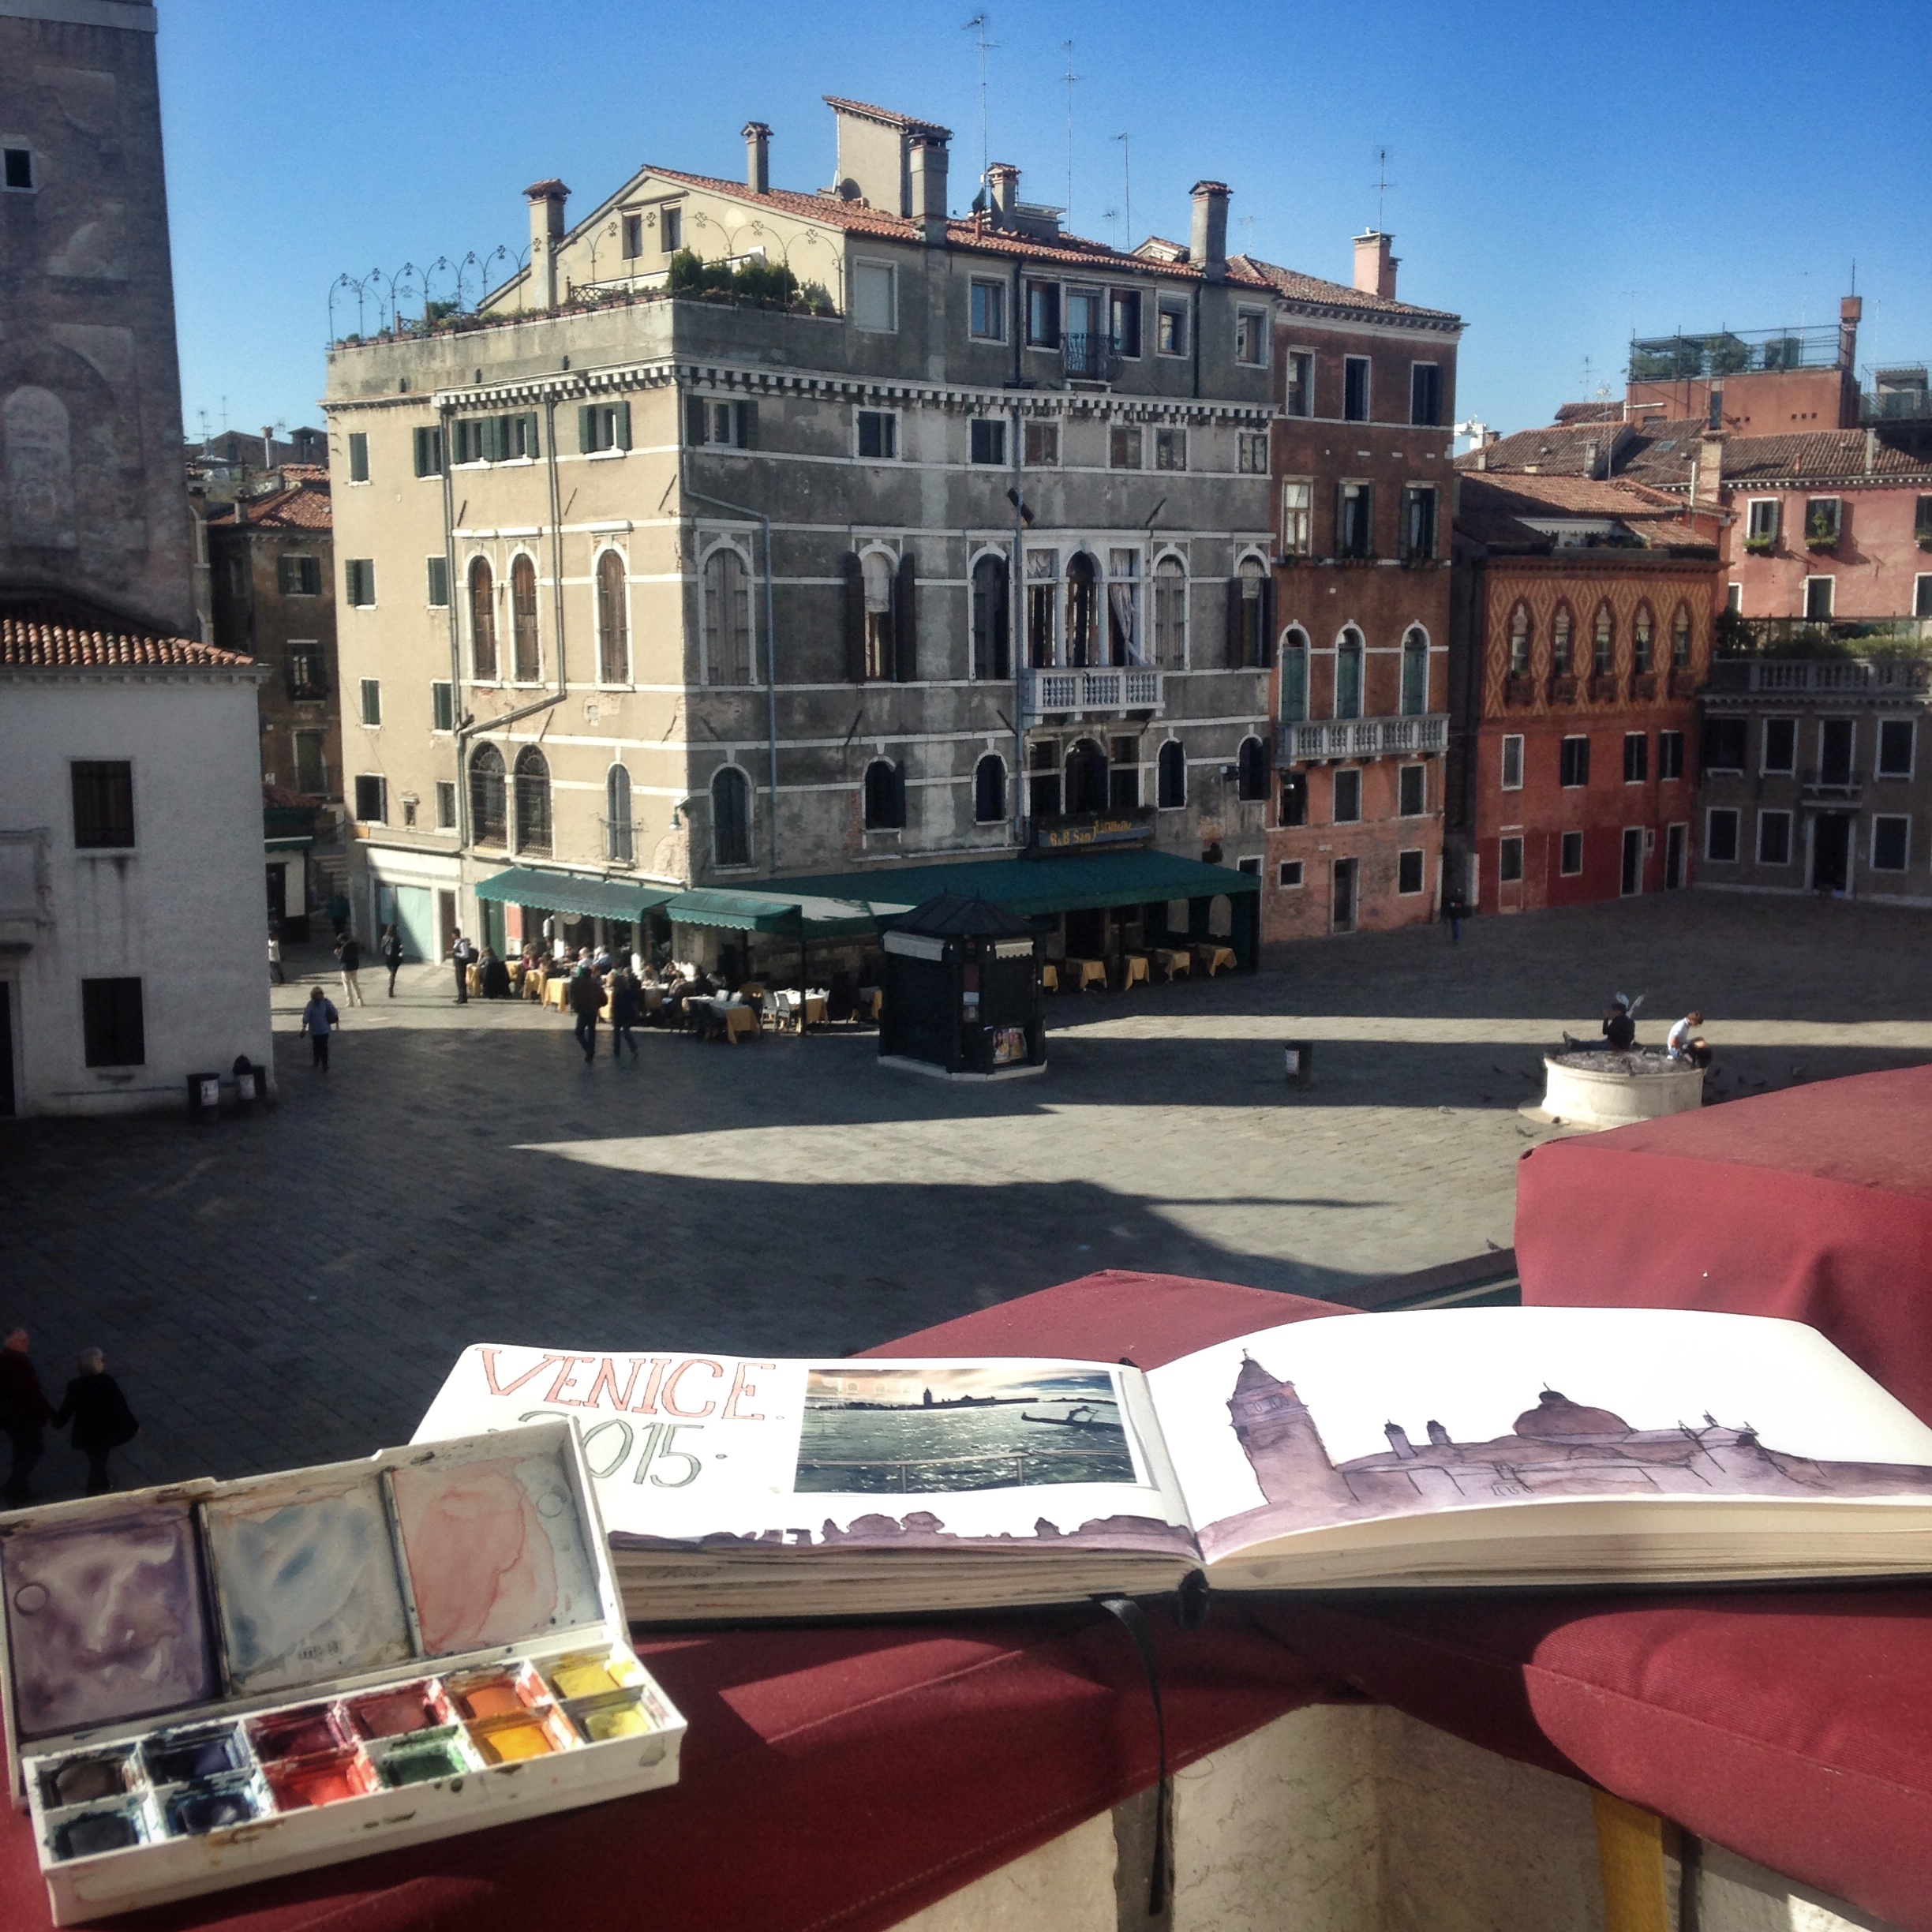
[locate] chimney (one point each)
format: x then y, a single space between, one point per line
1375 266
1399 1441
546 200
758 157
1707 473
1591 451
1851 312
1208 246
1438 1435
1002 192
927 161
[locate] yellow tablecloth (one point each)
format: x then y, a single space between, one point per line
1050 977
557 992
1088 972
473 978
1214 957
534 982
740 1022
1136 971
1174 963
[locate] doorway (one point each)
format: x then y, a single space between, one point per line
278 892
1831 848
446 923
6 1049
1632 881
1342 906
1676 847
412 905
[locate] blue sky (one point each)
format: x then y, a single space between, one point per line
1557 168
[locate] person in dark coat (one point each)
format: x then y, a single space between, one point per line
102 1419
586 1000
338 914
392 955
24 1412
626 1002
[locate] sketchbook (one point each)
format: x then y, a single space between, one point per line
1456 1447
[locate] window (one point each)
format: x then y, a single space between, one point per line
299 576
1774 838
1890 842
603 426
482 620
442 707
1510 861
1124 774
1299 388
1641 628
1418 522
16 171
1574 764
1124 446
1086 777
1124 322
1082 635
1250 624
720 424
992 655
1408 873
1895 747
1171 614
1761 528
1043 779
446 804
1425 395
372 700
613 621
1724 744
1734 599
1355 388
1170 449
633 236
989 441
878 434
112 1024
488 821
1636 757
1043 445
1680 639
1288 875
989 790
618 845
372 799
429 451
1922 521
1670 755
1355 520
1250 337
358 457
1569 855
1824 520
1349 649
1603 645
1298 524
1415 672
1294 656
671 230
1251 865
1294 798
531 782
1126 641
1171 775
988 311
1170 336
731 818
1043 315
1820 596
1721 835
1043 607
885 796
359 580
1412 791
1562 663
1519 641
437 573
1780 744
1512 761
728 616
235 575
875 298
1251 771
1348 795
307 668
526 647
1251 456
495 438
104 803
1921 596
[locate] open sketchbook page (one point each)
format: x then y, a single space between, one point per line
1317 1425
844 1455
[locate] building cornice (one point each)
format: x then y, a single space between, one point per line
135 674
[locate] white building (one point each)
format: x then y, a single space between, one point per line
132 932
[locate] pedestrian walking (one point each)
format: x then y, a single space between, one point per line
1454 912
392 955
349 956
338 914
626 1002
463 955
24 1412
319 1020
276 976
587 999
102 1419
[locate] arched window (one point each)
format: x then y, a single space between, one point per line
1349 674
1248 622
527 651
1125 644
885 796
1251 769
1171 614
1641 629
1561 664
992 653
1603 642
1680 639
483 621
613 626
989 790
532 780
1415 672
876 575
1173 792
731 818
1519 641
728 618
617 840
488 824
1294 674
1087 777
1083 611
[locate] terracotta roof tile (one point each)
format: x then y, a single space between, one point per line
307 506
1819 455
886 117
1590 412
1504 511
50 634
1307 288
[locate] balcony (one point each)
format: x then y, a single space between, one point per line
1643 685
1603 687
1563 689
1519 688
1899 680
1088 693
1305 740
1835 783
1090 358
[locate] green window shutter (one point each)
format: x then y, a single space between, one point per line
854 573
1234 622
747 425
1267 623
694 421
620 437
586 429
905 621
533 442
422 452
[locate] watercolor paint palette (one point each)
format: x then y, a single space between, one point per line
215 1682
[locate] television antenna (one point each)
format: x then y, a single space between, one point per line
978 24
1382 184
1070 78
1126 190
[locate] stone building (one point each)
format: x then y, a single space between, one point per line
1360 465
749 533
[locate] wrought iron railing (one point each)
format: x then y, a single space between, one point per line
1838 781
1090 357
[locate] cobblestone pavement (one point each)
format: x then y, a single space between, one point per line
292 1287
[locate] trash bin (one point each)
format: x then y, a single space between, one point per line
203 1095
1298 1062
248 1087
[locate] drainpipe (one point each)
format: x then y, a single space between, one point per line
1016 639
459 715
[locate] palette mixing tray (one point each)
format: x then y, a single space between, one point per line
214 1683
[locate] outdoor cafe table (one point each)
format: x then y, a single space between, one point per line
1214 957
1088 972
1050 977
556 992
1174 962
730 1020
1135 971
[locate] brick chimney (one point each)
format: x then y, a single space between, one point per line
546 200
1002 192
758 157
1707 473
1208 245
926 158
1375 266
1851 312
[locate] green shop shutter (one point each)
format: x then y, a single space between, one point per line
854 573
586 429
620 430
905 620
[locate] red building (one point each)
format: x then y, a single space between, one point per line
1361 460
1583 617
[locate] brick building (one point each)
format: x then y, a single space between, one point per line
1583 618
1360 456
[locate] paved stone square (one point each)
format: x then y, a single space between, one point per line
292 1287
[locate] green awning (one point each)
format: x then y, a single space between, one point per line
628 899
818 916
